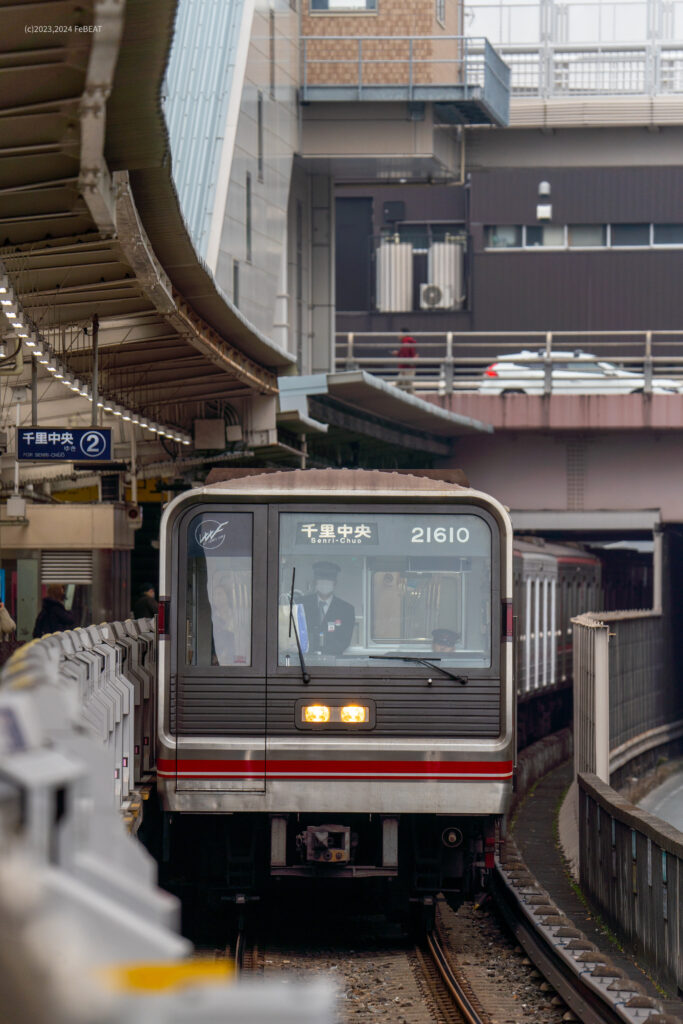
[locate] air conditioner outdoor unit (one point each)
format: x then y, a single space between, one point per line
436 296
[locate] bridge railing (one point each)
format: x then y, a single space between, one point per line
626 710
563 71
449 362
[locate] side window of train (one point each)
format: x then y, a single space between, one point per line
218 598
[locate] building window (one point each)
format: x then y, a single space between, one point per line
259 129
582 236
668 234
546 235
441 11
577 236
504 236
630 234
236 283
248 217
343 5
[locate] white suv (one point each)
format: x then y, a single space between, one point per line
573 373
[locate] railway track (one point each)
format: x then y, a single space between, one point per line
384 977
444 990
458 974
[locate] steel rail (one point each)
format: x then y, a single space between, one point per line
238 955
457 993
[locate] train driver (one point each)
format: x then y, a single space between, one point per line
444 641
330 620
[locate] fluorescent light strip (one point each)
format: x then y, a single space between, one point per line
14 313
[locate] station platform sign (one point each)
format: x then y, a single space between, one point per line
66 444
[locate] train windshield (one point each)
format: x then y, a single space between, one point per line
383 583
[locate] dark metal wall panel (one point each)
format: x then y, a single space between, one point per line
353 252
592 195
423 203
580 291
418 322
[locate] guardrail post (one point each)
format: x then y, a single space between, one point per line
548 365
591 697
657 556
350 362
647 364
448 364
602 704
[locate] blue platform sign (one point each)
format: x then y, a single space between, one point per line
36 444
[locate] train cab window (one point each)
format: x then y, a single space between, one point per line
382 583
218 598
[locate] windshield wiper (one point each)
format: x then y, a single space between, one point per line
304 672
429 662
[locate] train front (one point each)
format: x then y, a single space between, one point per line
336 696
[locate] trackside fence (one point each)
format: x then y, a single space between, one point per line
88 937
625 709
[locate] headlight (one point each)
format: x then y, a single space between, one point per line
316 713
353 714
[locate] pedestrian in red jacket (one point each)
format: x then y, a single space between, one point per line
407 353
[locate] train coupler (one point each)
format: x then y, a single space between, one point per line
326 844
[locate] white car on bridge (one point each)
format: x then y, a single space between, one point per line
573 373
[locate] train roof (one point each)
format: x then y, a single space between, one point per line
563 551
337 480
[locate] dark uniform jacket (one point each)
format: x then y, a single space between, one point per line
333 634
145 607
53 618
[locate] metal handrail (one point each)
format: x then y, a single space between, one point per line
466 48
442 366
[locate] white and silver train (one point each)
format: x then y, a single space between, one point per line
336 694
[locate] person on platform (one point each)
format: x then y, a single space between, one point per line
329 620
407 354
53 616
444 641
146 605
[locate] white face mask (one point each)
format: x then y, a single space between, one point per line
324 587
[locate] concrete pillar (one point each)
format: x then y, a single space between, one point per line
322 274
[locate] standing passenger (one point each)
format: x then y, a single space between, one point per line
146 605
407 352
53 616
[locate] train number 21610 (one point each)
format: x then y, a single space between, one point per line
439 534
